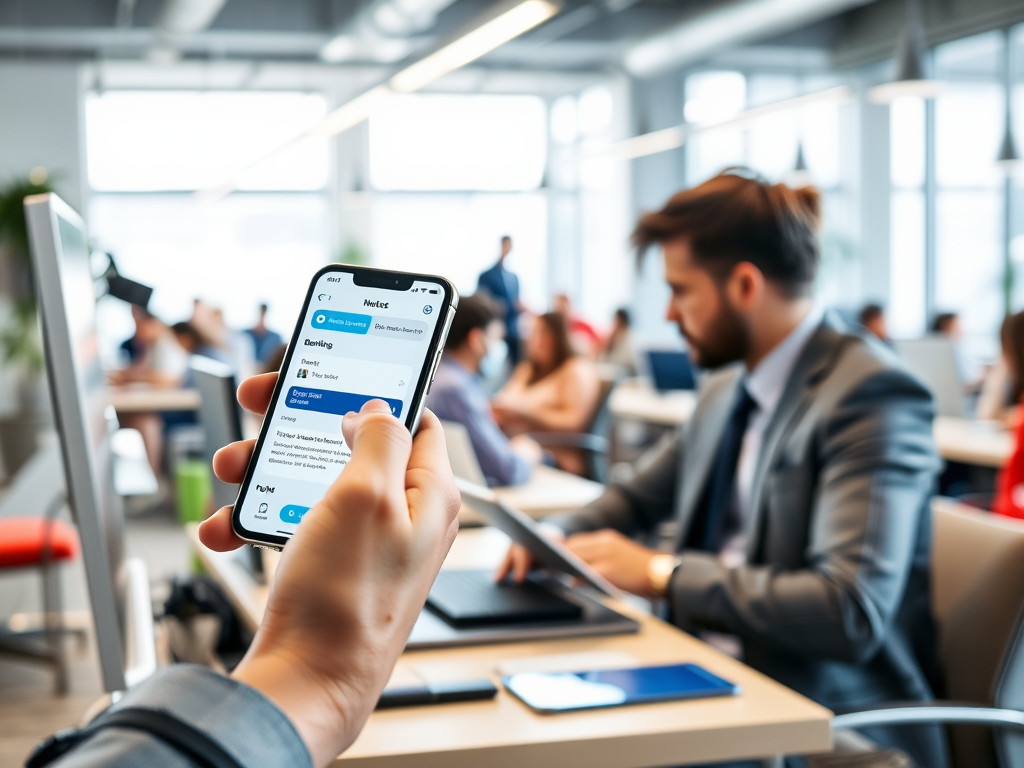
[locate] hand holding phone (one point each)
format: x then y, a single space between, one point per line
363 334
322 654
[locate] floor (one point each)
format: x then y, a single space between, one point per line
29 710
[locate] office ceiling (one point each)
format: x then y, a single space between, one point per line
584 35
587 35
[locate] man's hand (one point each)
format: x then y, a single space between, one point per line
619 559
519 562
353 579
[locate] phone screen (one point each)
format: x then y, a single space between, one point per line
353 344
559 692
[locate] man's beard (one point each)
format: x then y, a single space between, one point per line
726 342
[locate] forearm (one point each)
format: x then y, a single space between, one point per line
803 612
239 719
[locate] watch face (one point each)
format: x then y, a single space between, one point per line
659 572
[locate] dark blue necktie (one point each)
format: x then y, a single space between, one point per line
710 524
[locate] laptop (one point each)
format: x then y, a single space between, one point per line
671 369
467 607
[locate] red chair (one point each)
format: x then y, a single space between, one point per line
43 543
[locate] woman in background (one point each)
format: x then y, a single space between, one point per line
553 390
1009 499
1004 386
618 349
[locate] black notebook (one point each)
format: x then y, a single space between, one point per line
474 599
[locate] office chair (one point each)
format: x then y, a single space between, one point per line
977 599
593 440
42 543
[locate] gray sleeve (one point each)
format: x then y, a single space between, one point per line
638 505
877 464
239 718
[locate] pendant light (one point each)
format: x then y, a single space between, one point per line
911 64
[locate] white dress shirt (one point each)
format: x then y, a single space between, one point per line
765 385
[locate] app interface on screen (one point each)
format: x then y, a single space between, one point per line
355 344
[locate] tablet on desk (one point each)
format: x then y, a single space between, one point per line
549 692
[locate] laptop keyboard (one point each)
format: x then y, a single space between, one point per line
472 598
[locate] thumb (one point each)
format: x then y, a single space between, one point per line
380 446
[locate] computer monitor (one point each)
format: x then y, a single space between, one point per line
118 587
671 369
933 359
219 415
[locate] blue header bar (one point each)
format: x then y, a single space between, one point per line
345 322
340 403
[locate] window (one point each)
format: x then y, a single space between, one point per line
146 141
144 148
457 235
455 142
969 115
907 257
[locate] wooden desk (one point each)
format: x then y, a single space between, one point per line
145 399
636 399
765 719
982 443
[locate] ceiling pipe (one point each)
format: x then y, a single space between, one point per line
184 17
177 20
726 26
384 30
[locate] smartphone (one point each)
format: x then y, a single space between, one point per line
363 334
564 692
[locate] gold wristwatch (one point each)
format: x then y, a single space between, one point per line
659 572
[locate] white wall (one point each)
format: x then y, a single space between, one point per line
40 125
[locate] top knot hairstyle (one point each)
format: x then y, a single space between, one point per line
737 216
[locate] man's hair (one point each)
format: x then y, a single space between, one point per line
870 313
506 239
942 322
476 311
737 216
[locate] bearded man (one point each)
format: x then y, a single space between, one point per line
799 488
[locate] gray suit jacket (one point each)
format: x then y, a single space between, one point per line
833 599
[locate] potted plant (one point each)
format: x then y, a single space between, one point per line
21 348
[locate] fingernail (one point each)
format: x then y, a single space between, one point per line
375 406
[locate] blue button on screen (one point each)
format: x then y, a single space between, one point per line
293 513
327 401
345 322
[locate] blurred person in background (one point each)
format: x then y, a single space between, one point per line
1003 387
971 376
872 317
618 348
237 347
265 340
552 390
503 286
193 343
456 395
585 339
155 356
158 359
